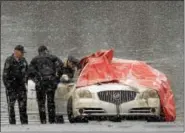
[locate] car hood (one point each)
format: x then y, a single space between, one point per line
112 87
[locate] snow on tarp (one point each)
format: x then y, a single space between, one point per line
102 67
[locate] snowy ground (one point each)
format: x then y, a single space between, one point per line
99 126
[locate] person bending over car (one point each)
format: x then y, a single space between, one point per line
71 66
44 70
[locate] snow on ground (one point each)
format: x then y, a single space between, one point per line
95 126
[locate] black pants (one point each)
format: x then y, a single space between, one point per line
43 90
17 93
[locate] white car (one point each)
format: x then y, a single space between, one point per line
113 101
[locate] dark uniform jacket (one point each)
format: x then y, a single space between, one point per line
44 65
14 72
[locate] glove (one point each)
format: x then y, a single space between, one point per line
64 78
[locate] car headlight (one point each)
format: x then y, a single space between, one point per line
150 94
84 94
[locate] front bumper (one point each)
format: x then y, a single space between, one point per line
136 108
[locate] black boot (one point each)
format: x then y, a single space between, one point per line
43 121
59 119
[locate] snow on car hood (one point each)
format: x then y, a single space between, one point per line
112 86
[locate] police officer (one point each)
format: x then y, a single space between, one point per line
44 69
14 78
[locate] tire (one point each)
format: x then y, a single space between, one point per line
160 118
70 110
153 119
71 117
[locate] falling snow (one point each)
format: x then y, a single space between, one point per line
151 31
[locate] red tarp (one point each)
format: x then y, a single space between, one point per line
102 67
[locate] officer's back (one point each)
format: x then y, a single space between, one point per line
43 69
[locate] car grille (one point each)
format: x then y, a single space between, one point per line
117 97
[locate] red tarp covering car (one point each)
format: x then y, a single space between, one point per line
102 67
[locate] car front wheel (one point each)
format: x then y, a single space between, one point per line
160 118
70 111
71 117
